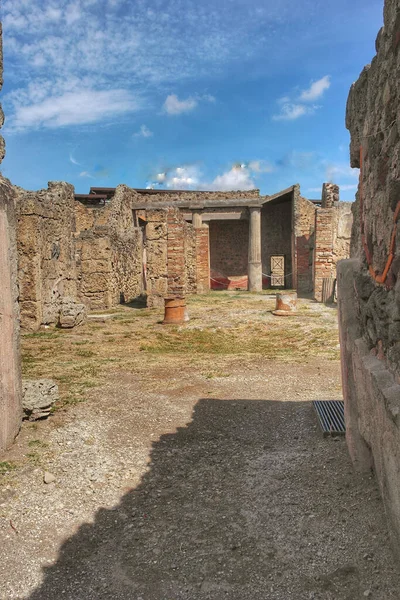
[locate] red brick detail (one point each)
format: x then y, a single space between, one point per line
202 260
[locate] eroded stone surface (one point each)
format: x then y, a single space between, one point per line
39 395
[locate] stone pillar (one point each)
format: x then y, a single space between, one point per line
10 366
197 219
254 264
10 375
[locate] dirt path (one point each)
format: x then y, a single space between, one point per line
195 475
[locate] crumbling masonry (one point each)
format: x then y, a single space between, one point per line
118 244
369 283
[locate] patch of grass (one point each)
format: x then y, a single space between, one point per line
34 458
49 335
216 374
37 444
85 353
7 467
81 342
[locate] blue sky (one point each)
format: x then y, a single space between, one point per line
188 94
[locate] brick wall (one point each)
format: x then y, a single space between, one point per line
229 244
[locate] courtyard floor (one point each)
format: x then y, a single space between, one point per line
188 464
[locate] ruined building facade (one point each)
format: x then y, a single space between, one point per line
369 283
118 244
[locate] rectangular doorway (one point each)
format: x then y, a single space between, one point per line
278 271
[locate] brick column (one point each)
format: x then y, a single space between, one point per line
324 265
203 259
254 264
175 253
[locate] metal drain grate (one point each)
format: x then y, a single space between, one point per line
330 415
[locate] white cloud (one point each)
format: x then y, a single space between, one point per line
316 89
294 108
260 166
72 108
86 174
291 112
238 177
174 106
335 171
144 131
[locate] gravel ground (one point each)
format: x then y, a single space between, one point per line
194 479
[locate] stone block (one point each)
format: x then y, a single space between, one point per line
38 398
71 314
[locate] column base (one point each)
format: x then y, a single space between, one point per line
255 277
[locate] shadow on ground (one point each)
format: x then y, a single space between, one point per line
247 502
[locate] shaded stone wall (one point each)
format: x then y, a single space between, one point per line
368 285
276 237
46 252
229 248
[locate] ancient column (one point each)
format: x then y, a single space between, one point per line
197 219
254 264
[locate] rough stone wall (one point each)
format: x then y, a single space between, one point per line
46 252
330 195
369 284
109 252
304 230
276 236
194 196
95 269
10 371
229 248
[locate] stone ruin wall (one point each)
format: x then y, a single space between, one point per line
369 283
333 223
46 253
10 364
108 252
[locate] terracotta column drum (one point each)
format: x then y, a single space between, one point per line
175 310
286 304
254 264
